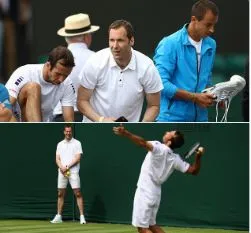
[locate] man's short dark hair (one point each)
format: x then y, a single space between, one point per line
178 140
63 54
68 126
200 8
122 23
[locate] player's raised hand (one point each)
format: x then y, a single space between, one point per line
120 130
200 151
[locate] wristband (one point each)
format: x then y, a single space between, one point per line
193 97
101 119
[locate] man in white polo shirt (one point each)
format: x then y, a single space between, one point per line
78 33
115 81
160 162
35 89
68 157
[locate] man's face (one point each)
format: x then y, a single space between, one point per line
120 44
168 136
205 27
58 73
68 133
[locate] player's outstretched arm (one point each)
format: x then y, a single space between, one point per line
121 131
195 167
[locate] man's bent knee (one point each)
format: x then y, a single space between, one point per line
30 89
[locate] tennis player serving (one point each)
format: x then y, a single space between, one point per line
160 162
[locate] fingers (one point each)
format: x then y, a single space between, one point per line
201 150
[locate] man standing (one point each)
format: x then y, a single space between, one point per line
160 162
37 88
68 157
78 35
115 81
185 60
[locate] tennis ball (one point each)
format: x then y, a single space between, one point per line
201 150
68 173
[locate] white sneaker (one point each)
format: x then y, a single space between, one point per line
228 89
57 219
82 219
224 92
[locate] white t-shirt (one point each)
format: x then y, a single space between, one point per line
158 165
50 94
197 46
80 53
67 150
119 92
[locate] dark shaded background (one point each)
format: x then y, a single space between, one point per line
151 20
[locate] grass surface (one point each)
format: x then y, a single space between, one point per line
32 226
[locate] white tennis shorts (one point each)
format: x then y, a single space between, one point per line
145 208
74 180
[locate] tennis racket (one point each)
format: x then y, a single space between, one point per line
192 149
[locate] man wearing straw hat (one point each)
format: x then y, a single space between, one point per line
115 81
78 35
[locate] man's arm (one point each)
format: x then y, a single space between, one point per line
152 109
5 114
202 99
68 113
75 160
84 106
60 165
121 131
195 167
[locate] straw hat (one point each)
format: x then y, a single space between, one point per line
77 25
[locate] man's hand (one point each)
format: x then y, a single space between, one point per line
120 130
204 99
63 169
200 151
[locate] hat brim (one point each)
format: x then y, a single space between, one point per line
61 32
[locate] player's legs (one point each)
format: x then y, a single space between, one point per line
74 180
80 201
144 230
156 229
61 196
29 100
62 184
145 208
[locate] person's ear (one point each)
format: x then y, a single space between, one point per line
132 41
193 19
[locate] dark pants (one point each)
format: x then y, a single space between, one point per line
78 117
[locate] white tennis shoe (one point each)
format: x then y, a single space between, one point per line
225 91
57 219
82 219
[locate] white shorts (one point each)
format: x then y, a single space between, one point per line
74 180
145 208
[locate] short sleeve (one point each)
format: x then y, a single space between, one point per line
180 164
16 81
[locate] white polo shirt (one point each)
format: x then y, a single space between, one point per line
67 150
158 165
50 93
119 92
81 53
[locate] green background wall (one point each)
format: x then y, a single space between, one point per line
110 166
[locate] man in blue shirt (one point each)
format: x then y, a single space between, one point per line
185 61
5 106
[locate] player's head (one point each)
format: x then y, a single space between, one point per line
204 16
121 39
59 65
68 132
174 139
